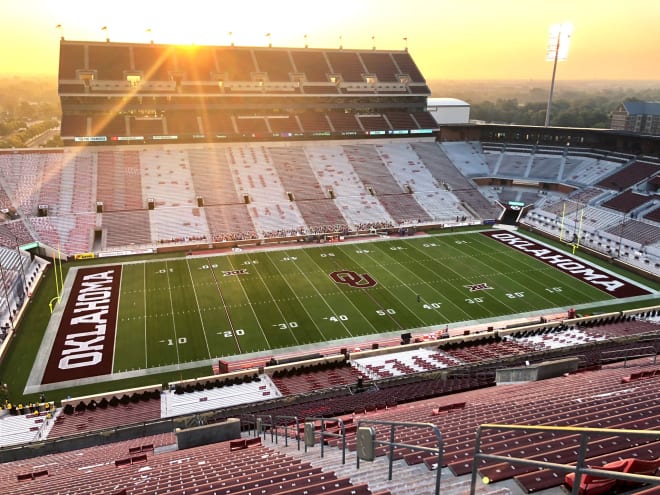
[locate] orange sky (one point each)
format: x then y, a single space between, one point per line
449 39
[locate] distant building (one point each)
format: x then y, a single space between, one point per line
449 110
640 117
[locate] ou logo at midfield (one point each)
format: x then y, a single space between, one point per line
353 279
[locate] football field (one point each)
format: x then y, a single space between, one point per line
185 310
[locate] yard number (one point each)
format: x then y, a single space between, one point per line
228 334
384 312
286 325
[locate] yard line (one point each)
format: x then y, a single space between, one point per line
199 310
224 306
404 284
254 266
114 346
370 295
385 289
340 292
144 296
526 262
254 313
445 266
303 305
169 290
487 267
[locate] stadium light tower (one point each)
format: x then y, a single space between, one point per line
558 43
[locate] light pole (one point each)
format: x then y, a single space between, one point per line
558 43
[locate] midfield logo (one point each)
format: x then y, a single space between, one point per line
353 279
478 287
242 271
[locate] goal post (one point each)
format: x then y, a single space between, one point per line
572 237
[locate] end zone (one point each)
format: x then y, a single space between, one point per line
84 344
575 267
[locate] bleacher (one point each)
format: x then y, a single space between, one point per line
458 403
629 175
626 201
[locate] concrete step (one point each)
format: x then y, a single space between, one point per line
406 480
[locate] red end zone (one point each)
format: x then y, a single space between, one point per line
590 274
85 339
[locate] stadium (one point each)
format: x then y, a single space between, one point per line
270 270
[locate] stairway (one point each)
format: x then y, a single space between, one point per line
406 480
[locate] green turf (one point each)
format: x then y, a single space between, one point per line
186 310
300 290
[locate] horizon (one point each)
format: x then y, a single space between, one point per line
6 75
485 40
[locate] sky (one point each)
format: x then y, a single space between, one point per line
449 39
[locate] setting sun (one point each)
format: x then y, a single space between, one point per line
449 40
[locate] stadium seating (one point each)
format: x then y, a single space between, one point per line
629 175
275 63
626 201
311 63
213 175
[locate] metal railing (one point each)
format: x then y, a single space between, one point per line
579 468
391 443
328 434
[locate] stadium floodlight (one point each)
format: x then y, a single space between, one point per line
558 44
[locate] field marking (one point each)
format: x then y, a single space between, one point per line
369 294
633 288
339 292
323 336
385 287
263 283
251 305
286 281
424 257
512 309
530 263
224 306
114 344
144 297
460 278
176 338
199 310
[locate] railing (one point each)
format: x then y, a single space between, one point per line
626 354
579 468
258 424
391 443
310 433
